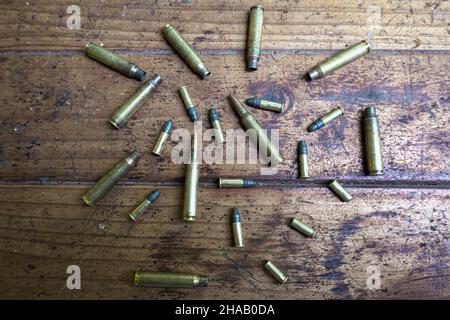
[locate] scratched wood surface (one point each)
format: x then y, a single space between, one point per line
55 142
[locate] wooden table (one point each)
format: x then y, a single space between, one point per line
55 142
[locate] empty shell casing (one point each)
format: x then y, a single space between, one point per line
169 280
140 209
266 104
339 190
129 108
322 121
162 138
237 183
303 170
115 62
102 186
255 23
374 155
261 139
302 227
188 104
275 272
191 183
339 59
185 51
215 122
236 227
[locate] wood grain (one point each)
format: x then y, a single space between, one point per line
212 25
46 228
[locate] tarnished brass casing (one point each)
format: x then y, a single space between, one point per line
237 183
185 51
276 272
162 138
322 121
374 154
339 59
340 191
129 108
113 61
102 186
188 104
261 139
302 227
169 280
266 104
191 182
143 206
303 169
215 122
236 227
255 23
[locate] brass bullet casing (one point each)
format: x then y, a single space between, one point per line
339 190
115 62
188 104
249 122
102 186
338 60
374 155
302 227
275 272
162 138
169 280
191 183
143 206
129 108
255 23
266 104
236 227
322 121
215 122
185 51
303 170
237 183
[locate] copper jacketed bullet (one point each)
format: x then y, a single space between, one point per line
129 108
185 51
303 170
162 138
374 155
340 191
191 182
169 280
236 227
302 227
255 23
191 109
215 122
276 272
143 206
339 59
322 121
115 62
266 104
114 175
237 183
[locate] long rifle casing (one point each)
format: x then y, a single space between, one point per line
374 155
255 23
169 280
191 183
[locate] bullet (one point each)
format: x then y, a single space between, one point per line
115 62
339 190
237 183
338 60
169 280
215 122
255 23
191 183
266 147
302 227
129 108
322 121
188 104
303 170
162 139
266 104
275 272
143 206
374 156
113 176
236 226
185 51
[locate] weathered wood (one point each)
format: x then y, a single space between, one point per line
46 228
209 25
55 110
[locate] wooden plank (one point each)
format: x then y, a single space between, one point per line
212 25
402 232
55 109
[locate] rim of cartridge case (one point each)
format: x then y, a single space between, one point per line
367 44
312 74
137 277
168 26
132 218
182 87
252 64
114 123
375 173
341 109
87 201
188 218
257 6
333 182
155 153
205 75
